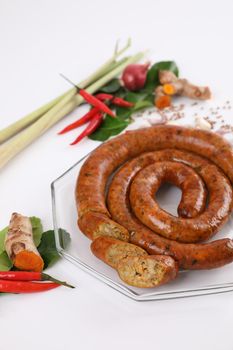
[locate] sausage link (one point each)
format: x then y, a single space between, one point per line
98 224
133 264
112 251
93 177
147 271
147 182
189 256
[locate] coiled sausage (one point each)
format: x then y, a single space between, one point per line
93 177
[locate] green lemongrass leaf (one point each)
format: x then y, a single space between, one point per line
141 100
124 114
142 104
109 127
37 229
122 92
5 263
152 80
136 96
112 87
47 247
2 239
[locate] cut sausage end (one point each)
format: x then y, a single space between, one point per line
113 251
95 225
147 271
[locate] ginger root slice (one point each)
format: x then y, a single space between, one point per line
171 85
175 86
167 77
195 92
20 246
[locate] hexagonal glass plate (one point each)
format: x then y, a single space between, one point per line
188 283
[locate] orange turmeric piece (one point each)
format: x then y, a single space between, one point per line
28 261
20 246
169 89
163 101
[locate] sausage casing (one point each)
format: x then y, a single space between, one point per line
94 175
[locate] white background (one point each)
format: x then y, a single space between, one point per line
38 39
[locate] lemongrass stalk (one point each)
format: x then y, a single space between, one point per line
22 123
11 148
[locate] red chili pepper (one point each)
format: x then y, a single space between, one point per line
95 102
103 97
25 287
90 98
92 126
88 116
118 101
29 276
122 103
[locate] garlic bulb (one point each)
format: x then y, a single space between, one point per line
201 123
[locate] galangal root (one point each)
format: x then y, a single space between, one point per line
171 85
20 246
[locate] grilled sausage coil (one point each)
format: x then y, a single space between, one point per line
194 160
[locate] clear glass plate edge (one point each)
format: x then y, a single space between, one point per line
205 290
208 290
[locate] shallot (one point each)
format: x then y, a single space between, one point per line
134 76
